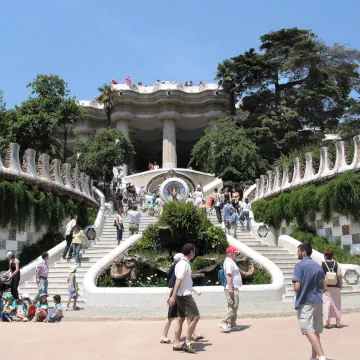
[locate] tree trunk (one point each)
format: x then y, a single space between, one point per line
65 143
108 117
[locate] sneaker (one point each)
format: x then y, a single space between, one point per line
16 319
225 327
25 320
322 358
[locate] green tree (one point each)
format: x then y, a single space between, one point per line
228 153
294 87
101 152
107 99
68 113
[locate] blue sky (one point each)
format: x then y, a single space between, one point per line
88 42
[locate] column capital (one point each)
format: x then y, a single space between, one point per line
168 115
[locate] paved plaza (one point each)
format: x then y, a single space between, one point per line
270 339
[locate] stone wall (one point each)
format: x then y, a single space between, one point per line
342 230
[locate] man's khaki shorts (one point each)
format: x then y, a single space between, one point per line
311 318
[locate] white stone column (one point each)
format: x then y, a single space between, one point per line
169 144
123 126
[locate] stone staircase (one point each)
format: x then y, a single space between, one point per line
59 271
279 256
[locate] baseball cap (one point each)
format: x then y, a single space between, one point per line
231 250
9 297
43 294
25 296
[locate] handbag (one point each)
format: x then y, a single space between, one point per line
331 276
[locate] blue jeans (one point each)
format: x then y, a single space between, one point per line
42 288
119 235
76 251
245 214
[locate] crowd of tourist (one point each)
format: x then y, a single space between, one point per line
22 308
128 81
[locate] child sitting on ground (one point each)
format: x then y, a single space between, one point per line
73 289
28 308
42 308
56 313
10 308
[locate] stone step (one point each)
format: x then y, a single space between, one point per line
63 293
65 265
63 275
52 288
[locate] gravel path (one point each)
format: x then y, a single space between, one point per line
350 303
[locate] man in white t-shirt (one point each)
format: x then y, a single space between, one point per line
217 205
233 284
186 306
68 237
134 220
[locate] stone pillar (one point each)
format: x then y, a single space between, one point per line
123 126
169 144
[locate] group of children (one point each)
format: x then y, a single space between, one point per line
25 310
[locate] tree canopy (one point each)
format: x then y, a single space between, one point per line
101 152
293 89
227 152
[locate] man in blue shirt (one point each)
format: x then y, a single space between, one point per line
309 284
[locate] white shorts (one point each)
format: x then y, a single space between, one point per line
311 318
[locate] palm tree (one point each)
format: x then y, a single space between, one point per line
106 98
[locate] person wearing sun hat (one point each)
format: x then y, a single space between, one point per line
73 288
233 284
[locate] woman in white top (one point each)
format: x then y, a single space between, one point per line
119 221
198 196
245 211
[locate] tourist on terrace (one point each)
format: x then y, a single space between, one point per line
332 298
41 274
232 285
217 204
119 221
186 83
13 274
139 83
128 80
245 213
200 83
186 306
189 167
77 243
309 285
150 166
134 220
68 237
156 166
157 82
114 82
191 83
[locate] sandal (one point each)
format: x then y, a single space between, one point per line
189 348
76 308
338 326
163 341
181 348
200 337
327 327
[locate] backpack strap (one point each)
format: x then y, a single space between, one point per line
332 270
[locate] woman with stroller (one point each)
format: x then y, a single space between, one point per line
13 274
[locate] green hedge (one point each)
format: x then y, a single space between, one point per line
186 223
321 244
20 202
341 195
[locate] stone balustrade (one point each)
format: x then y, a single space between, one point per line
48 174
277 181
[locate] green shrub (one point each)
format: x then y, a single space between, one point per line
105 281
321 244
199 263
187 224
341 195
261 277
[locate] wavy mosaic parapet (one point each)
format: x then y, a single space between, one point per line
47 173
278 181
